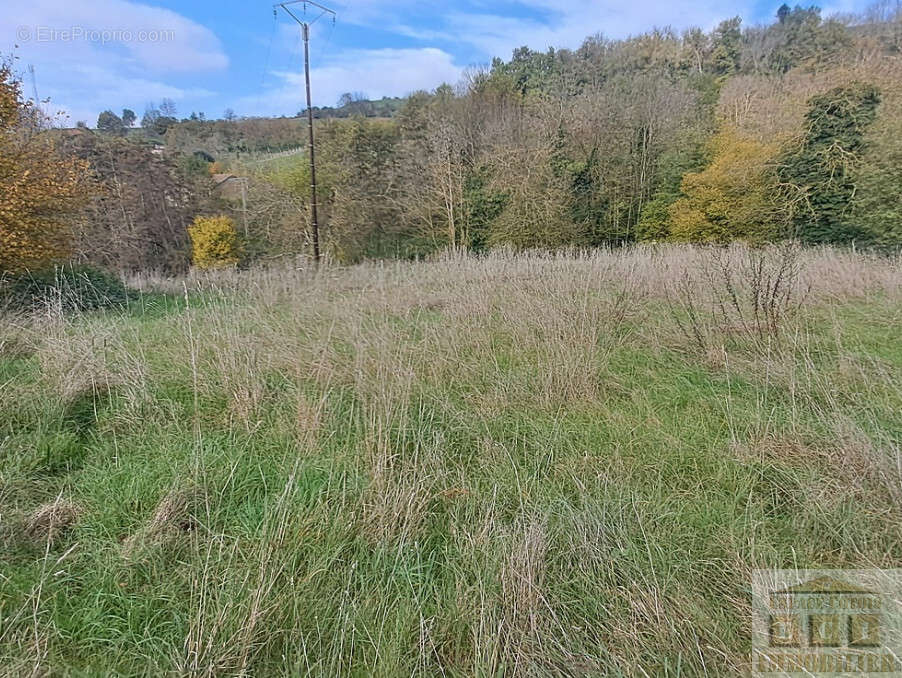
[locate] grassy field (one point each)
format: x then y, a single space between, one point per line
535 465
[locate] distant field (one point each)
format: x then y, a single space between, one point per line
534 465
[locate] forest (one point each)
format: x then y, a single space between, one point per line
744 133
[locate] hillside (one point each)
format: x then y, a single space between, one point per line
759 134
755 133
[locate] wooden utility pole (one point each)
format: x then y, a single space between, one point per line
305 32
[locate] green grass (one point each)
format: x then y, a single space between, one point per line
463 468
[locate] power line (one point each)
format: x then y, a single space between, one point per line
305 32
324 46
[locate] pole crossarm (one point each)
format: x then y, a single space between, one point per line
323 10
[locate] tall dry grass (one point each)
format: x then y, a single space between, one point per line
464 466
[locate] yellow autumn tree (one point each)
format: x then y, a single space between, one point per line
732 198
214 242
39 189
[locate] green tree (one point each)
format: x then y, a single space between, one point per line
877 204
818 174
110 123
800 36
727 40
531 71
483 206
689 157
783 13
876 210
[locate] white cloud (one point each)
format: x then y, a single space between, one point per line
377 73
150 37
540 24
108 89
108 53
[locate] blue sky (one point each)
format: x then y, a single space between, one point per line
90 55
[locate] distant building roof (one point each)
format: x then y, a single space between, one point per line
228 185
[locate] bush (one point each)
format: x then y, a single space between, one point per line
731 199
39 189
214 242
65 288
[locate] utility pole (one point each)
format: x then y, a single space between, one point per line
305 32
244 203
34 86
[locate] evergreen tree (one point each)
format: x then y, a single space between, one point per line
877 205
819 172
111 123
727 46
801 36
783 13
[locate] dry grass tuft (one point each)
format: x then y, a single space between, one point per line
397 502
309 416
865 463
90 364
522 601
174 516
17 340
75 365
851 466
51 520
781 449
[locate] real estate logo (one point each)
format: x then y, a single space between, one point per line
827 623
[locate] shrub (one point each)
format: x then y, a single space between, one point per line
64 288
38 187
214 242
739 292
731 198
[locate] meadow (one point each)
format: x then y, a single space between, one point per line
509 465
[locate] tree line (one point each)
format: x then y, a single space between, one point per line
759 133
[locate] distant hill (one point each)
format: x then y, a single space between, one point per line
386 107
267 135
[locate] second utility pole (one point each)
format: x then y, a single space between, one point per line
305 29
